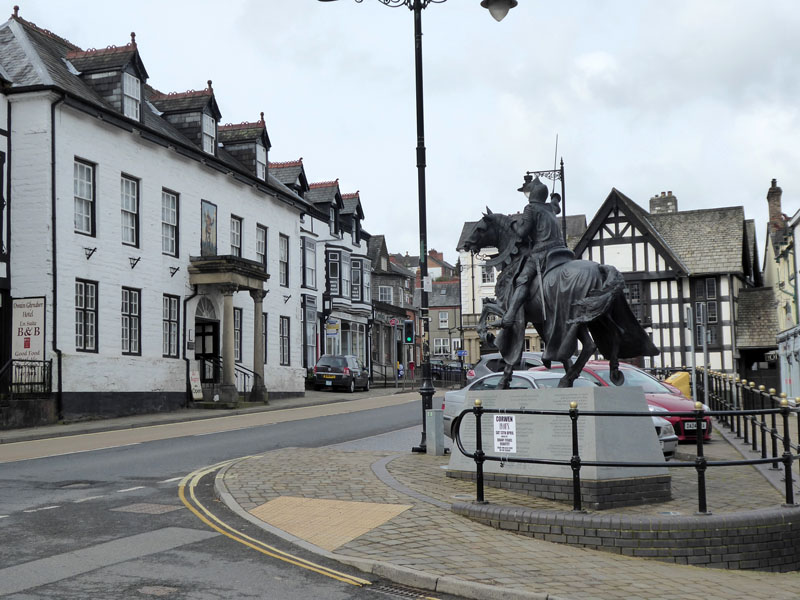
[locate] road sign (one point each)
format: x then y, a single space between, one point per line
461 353
392 322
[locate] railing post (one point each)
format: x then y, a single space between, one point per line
575 461
738 406
787 452
763 423
479 455
754 421
730 405
700 462
774 429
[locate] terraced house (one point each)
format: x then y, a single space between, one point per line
158 247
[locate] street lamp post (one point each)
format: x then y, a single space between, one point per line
498 9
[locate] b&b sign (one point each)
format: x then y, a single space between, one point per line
27 328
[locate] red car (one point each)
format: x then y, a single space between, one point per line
657 394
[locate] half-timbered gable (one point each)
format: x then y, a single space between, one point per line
673 260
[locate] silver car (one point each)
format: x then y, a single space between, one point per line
455 401
494 363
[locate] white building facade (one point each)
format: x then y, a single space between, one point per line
161 246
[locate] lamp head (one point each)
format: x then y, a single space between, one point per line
498 8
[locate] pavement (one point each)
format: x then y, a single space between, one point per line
375 505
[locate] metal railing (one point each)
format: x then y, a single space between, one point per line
242 375
575 462
25 378
746 412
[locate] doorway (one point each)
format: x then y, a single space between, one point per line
206 350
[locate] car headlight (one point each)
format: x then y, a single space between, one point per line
667 430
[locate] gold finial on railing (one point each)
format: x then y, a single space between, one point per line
783 394
761 388
752 384
784 401
744 381
772 391
478 402
738 380
573 405
698 406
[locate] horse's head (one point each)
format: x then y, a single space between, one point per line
484 234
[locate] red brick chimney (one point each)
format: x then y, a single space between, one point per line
437 255
776 219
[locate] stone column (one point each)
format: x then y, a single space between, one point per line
227 391
259 390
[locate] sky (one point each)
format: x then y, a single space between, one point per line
697 98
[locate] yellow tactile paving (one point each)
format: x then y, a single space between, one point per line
326 523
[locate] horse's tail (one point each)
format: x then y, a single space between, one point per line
598 301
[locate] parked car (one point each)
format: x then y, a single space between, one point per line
455 401
340 371
655 392
494 363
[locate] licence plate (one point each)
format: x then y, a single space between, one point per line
329 376
328 382
693 425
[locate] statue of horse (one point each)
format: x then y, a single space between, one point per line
571 301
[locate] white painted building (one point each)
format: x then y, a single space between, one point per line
156 236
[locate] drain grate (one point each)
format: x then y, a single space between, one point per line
148 509
399 591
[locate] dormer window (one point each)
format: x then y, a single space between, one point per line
209 133
132 96
261 162
333 221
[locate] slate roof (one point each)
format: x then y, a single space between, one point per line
243 132
323 192
32 56
757 318
375 245
352 205
466 230
408 261
287 172
706 241
189 101
450 297
576 225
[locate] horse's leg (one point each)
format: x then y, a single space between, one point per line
573 371
616 376
506 381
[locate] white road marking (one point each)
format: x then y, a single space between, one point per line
138 487
171 480
33 510
89 450
225 431
87 499
4 516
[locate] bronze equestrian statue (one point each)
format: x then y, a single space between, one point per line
565 299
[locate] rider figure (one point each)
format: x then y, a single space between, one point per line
539 233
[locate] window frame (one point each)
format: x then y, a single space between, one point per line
444 323
166 226
381 295
284 332
283 260
441 346
237 334
132 214
261 164
90 202
132 83
132 330
209 133
309 247
236 239
84 311
334 272
356 283
488 275
262 258
170 326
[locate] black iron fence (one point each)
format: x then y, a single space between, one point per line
24 378
758 417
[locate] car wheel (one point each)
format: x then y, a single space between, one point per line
352 387
366 386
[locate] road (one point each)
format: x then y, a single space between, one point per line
99 515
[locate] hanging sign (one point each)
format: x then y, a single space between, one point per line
27 328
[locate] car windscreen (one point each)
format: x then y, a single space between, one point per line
634 377
551 382
335 362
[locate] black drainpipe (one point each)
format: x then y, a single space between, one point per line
185 302
59 386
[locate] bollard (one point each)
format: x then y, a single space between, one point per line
434 431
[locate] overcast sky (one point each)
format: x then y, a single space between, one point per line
697 97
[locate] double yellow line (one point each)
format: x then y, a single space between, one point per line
201 512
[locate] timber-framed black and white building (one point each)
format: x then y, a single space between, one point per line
674 259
